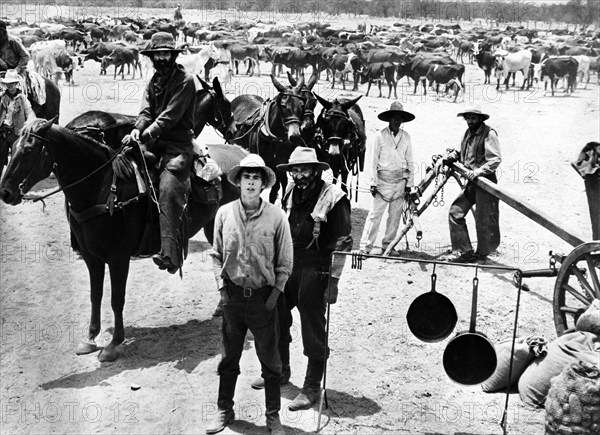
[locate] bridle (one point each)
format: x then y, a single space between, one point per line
335 113
291 119
25 181
219 121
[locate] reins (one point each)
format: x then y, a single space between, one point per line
35 198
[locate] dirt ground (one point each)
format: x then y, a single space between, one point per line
380 377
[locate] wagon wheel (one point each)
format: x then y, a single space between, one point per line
577 285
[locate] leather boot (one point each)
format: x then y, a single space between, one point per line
274 424
311 391
220 421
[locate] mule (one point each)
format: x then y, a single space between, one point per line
110 225
342 143
270 128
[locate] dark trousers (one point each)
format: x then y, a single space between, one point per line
174 187
305 290
486 220
247 310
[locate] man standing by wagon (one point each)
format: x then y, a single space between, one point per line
165 127
319 217
480 153
392 177
252 260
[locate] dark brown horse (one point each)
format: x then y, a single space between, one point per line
308 127
270 128
341 139
85 170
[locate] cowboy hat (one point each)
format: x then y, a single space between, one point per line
12 76
161 41
303 156
474 110
396 109
252 161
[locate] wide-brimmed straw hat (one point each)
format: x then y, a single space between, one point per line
252 161
396 109
12 76
303 156
161 41
474 110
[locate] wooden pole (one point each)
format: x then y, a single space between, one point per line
521 206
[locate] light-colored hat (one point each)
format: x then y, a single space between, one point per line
252 161
12 76
303 156
474 110
396 108
161 41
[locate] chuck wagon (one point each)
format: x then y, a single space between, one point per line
577 273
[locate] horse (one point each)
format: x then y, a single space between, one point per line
270 128
110 218
341 137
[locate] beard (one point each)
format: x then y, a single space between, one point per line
162 65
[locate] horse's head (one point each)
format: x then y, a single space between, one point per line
307 127
221 118
290 104
30 162
335 124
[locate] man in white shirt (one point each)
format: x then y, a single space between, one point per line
392 170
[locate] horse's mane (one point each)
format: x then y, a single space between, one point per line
122 166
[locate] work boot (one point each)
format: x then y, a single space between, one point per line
274 424
311 390
306 399
220 421
286 374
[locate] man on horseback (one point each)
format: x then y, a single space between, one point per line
15 110
13 55
165 127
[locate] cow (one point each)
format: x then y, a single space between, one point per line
243 52
44 55
65 62
559 67
417 67
120 57
345 63
378 71
509 63
583 69
442 74
465 47
485 60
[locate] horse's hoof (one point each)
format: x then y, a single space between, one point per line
86 347
109 353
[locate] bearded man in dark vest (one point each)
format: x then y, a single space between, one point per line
480 153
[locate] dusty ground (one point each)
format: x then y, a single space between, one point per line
380 378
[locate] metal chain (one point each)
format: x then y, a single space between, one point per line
435 200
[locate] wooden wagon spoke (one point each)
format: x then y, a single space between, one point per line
569 310
593 275
583 281
576 294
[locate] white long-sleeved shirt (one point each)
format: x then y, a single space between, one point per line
393 153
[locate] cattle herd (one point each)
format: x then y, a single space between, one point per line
422 53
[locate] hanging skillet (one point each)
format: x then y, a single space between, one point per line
470 357
431 317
